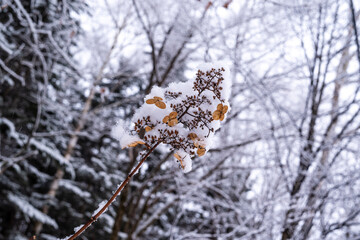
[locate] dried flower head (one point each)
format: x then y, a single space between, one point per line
158 101
186 114
220 112
171 119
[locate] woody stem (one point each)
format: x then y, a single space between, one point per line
117 192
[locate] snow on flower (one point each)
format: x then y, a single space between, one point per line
184 115
124 137
184 160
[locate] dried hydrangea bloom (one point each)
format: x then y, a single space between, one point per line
186 114
220 112
157 101
171 119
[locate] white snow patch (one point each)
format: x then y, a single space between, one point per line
65 238
78 228
123 136
101 205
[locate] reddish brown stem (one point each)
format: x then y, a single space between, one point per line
117 192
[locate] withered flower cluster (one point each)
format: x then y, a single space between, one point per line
184 115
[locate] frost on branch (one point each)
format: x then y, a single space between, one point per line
184 115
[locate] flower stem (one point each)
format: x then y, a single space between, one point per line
117 192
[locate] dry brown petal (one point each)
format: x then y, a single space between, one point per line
147 128
160 104
150 101
166 119
173 115
219 114
177 156
201 151
171 119
225 109
193 136
216 115
133 144
173 122
157 101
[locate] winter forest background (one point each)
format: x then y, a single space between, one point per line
285 164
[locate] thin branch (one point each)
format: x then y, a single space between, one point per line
8 162
117 192
353 19
12 73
